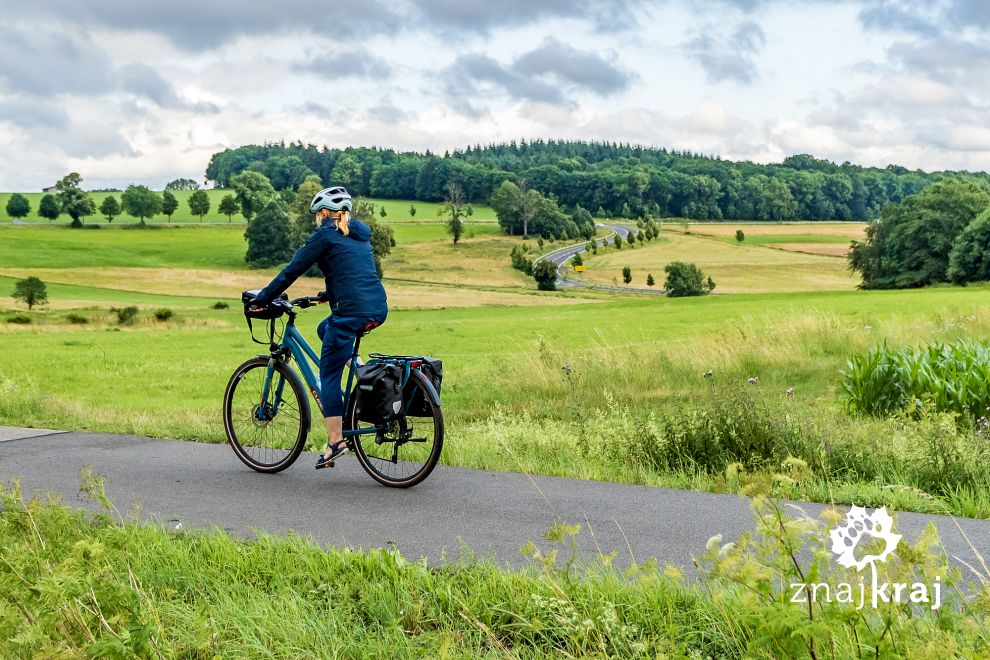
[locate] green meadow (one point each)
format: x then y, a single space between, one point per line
570 383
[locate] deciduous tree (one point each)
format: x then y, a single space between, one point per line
970 257
141 202
169 204
686 279
267 236
545 274
182 184
48 208
110 208
32 291
910 245
18 206
199 204
229 206
73 200
453 210
253 191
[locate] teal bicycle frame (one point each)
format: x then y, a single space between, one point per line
293 343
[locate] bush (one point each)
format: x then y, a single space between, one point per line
626 274
20 319
731 424
163 314
684 279
520 261
952 378
125 315
76 319
740 236
545 274
220 305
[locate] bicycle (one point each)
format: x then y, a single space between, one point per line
267 414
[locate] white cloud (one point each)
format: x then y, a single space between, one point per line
140 96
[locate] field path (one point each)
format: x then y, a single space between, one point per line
493 513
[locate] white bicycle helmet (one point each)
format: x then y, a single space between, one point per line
333 199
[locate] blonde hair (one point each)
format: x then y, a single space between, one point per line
341 218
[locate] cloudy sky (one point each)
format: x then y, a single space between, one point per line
146 91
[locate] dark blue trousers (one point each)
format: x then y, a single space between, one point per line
337 334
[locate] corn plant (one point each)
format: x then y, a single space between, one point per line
953 378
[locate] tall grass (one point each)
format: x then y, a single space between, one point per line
947 377
78 585
642 412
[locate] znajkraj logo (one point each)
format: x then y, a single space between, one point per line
875 530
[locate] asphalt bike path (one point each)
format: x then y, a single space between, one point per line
201 485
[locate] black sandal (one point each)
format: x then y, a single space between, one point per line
339 450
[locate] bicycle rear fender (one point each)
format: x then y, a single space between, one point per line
434 396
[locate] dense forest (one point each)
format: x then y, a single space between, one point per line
606 178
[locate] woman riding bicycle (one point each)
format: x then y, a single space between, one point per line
342 250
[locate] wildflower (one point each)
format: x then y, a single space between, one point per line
790 391
753 380
178 527
709 373
566 368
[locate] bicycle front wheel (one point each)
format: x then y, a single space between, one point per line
267 431
403 452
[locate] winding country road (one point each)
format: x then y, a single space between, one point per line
494 513
560 257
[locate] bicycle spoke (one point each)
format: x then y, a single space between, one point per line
265 434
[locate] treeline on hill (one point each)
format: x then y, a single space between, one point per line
606 178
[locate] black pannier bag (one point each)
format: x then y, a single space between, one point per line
433 370
379 392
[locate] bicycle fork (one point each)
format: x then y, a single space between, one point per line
265 411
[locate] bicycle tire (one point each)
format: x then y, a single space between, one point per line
373 464
241 404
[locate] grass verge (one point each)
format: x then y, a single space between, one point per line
74 584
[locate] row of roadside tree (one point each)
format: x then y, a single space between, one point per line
137 201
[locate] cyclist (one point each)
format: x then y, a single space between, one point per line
342 250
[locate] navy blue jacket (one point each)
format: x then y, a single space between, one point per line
348 267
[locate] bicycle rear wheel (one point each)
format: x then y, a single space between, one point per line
267 435
403 452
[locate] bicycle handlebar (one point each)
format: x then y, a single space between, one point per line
309 301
